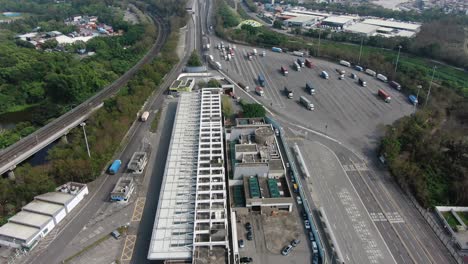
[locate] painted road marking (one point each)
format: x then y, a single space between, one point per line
138 210
355 167
127 251
378 217
394 217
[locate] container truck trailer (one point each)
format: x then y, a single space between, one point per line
261 80
284 70
288 93
298 53
305 102
259 90
243 86
371 72
384 95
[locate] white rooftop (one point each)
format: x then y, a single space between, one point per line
63 39
30 219
18 231
295 15
43 207
302 19
55 197
362 28
405 33
339 19
172 236
305 12
393 24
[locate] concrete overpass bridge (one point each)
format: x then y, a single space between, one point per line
13 155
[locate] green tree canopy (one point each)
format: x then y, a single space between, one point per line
253 110
194 60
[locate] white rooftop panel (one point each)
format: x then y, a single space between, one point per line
339 19
393 24
43 207
55 197
362 28
18 231
30 219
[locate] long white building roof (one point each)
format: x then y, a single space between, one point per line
393 24
192 202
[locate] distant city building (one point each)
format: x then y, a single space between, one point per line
26 228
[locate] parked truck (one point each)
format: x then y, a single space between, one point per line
310 89
114 167
413 99
144 116
362 82
382 77
395 85
384 95
345 63
305 102
284 70
297 66
261 80
259 90
358 68
324 75
298 53
301 62
243 86
275 49
371 72
288 92
308 63
255 52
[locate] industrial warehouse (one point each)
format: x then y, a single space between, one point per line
191 221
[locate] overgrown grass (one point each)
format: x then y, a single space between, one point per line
155 123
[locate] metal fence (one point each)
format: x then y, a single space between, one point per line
301 192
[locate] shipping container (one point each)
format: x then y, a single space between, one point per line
298 53
308 63
261 80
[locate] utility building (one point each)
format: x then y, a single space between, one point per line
191 221
138 162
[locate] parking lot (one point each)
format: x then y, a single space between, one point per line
343 109
271 233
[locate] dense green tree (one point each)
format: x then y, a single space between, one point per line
253 110
194 60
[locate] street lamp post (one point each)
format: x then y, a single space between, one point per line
417 96
86 138
360 50
318 48
430 85
398 57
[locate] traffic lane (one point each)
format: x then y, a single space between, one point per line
145 227
341 205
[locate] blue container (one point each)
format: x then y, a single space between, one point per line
275 49
413 99
114 168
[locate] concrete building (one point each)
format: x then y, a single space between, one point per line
302 21
267 194
123 189
362 29
338 21
26 228
138 162
455 221
191 221
182 85
415 27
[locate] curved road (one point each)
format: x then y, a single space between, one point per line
87 107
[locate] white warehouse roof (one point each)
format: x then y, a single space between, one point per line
43 207
302 19
56 197
30 219
18 231
339 19
362 28
393 24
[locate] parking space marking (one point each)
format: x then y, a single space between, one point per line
374 254
138 210
127 251
394 217
378 217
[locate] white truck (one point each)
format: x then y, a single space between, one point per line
382 77
144 116
345 63
298 53
371 72
255 52
218 65
304 101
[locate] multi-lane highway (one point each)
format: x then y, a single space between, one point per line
14 154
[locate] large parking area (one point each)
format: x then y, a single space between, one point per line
271 233
343 109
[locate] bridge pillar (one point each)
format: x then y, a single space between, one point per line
11 175
64 139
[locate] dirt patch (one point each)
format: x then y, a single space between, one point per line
280 230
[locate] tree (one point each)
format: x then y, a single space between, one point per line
213 83
50 44
226 105
278 24
253 110
194 60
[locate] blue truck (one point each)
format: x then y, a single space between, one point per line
413 99
114 167
261 80
310 89
275 49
